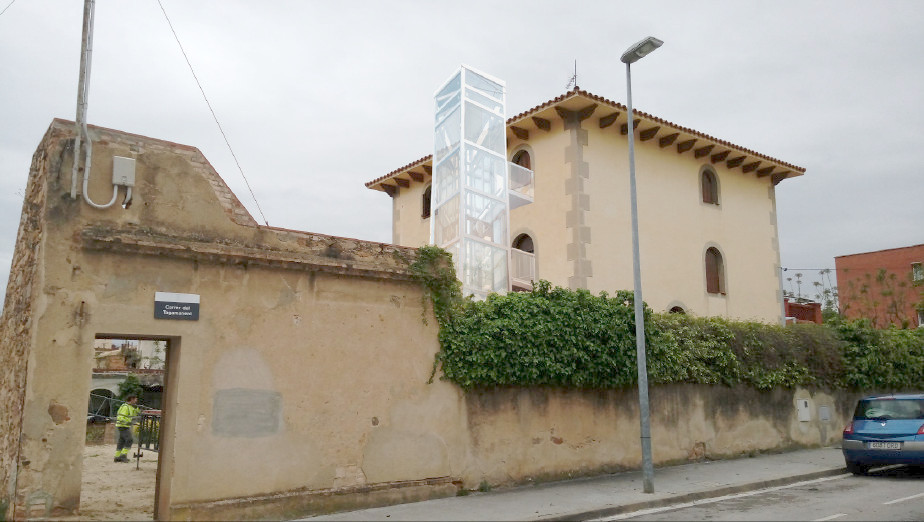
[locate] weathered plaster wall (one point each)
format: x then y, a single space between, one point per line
519 436
256 392
303 385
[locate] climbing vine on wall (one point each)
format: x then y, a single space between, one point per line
434 269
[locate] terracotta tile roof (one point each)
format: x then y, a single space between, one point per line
652 118
409 166
577 91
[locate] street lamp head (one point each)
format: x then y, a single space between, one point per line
640 50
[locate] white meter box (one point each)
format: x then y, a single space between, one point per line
123 171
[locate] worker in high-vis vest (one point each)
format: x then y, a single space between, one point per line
128 412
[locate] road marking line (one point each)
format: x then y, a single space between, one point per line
896 501
673 507
832 517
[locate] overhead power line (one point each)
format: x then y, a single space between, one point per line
7 7
220 129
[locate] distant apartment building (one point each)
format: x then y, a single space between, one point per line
803 312
707 209
885 286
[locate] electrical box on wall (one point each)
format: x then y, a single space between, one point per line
802 407
123 171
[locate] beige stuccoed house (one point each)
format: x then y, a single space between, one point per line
707 209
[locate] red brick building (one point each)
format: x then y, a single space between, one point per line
804 312
886 286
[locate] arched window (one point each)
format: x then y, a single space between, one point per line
677 310
523 263
715 271
525 243
425 203
522 159
710 185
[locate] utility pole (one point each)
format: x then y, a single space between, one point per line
83 86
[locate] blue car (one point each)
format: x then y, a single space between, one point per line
886 429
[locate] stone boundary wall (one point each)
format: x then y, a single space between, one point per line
520 436
16 323
303 386
79 273
513 437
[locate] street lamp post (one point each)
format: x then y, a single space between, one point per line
633 54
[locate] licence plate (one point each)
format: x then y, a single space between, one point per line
885 445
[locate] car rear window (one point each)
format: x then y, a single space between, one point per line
878 409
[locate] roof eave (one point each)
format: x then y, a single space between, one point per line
609 113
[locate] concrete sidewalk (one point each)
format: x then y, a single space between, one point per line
608 495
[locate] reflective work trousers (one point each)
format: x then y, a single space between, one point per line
125 442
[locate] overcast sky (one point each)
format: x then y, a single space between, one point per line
318 97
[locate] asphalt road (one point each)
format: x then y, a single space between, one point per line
895 493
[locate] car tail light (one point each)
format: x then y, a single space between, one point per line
849 429
921 430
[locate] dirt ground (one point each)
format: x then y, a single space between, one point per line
116 491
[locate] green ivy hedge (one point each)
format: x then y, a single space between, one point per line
720 351
881 359
551 337
574 339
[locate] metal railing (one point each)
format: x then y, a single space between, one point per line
522 268
521 185
148 434
107 407
149 430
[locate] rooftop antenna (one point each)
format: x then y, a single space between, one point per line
573 80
